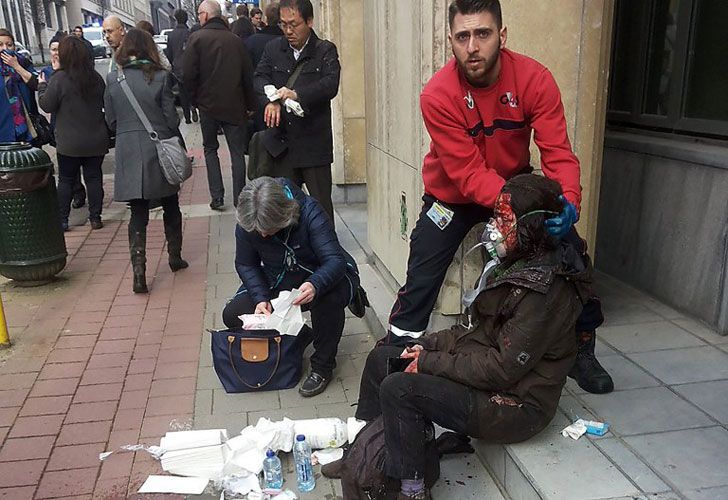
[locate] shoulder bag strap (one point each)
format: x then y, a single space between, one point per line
294 76
121 78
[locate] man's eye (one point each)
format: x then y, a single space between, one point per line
462 37
482 35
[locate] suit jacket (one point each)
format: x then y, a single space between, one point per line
217 73
176 41
310 141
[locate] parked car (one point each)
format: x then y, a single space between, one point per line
20 49
95 35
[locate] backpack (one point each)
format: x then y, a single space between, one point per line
362 471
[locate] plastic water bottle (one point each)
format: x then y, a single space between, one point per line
304 469
272 471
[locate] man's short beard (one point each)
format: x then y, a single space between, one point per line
489 65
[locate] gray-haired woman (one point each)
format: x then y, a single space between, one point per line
285 240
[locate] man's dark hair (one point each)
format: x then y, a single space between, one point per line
529 193
304 7
255 11
57 38
180 16
272 14
78 28
145 25
476 7
242 10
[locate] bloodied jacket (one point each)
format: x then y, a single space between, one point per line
522 344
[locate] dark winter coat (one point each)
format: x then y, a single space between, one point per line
257 42
261 262
242 27
176 41
217 73
520 350
310 140
137 173
80 129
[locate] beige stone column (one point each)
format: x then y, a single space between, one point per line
405 43
341 21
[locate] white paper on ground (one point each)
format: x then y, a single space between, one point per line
286 317
205 461
575 430
172 484
239 485
285 495
328 455
353 426
193 439
322 432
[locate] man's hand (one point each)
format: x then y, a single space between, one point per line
272 114
263 308
560 225
286 93
308 292
55 64
412 353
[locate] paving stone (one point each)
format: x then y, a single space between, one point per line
207 379
684 366
138 382
75 457
83 433
128 419
639 411
63 370
625 374
14 397
109 360
69 482
355 325
648 337
19 380
701 330
133 399
626 313
203 402
26 448
54 387
26 472
351 388
173 387
91 412
335 410
96 393
37 426
156 427
103 376
637 470
223 403
298 413
22 364
169 405
78 354
175 370
462 477
334 393
711 397
356 344
695 465
720 492
233 422
46 405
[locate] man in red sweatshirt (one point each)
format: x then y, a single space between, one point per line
480 110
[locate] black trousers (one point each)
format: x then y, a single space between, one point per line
432 250
184 101
318 183
235 135
68 172
409 403
327 321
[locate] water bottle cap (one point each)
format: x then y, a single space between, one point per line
300 437
270 453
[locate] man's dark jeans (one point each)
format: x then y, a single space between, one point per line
327 321
235 135
409 403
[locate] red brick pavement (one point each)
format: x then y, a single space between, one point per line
97 366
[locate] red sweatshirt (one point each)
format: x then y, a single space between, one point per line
480 136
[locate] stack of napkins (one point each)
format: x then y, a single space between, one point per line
195 453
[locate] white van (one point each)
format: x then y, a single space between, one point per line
95 35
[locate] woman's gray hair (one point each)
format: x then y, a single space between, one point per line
266 207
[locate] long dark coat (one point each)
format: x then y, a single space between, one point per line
138 174
310 140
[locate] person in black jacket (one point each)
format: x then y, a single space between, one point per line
176 41
309 138
242 26
78 33
256 43
285 240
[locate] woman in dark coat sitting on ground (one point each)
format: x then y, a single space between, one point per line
500 379
285 240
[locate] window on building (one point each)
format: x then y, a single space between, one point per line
668 66
47 12
59 16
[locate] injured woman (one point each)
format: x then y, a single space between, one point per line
499 378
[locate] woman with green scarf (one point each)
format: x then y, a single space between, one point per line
138 176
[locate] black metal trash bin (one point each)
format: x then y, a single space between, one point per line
32 246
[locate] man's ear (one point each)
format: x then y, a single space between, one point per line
503 36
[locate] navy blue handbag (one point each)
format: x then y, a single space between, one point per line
256 360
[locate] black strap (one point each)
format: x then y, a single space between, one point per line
294 76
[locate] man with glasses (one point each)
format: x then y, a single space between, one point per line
114 32
217 74
315 65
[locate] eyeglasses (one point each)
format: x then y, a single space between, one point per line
288 26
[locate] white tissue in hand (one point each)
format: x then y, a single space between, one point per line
294 107
271 92
286 317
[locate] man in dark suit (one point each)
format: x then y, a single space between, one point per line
309 137
176 41
217 74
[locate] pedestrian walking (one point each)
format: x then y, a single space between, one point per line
256 43
242 26
149 28
176 42
218 76
138 174
309 137
114 31
77 90
78 33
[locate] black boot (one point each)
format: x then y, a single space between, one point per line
587 371
173 233
138 251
